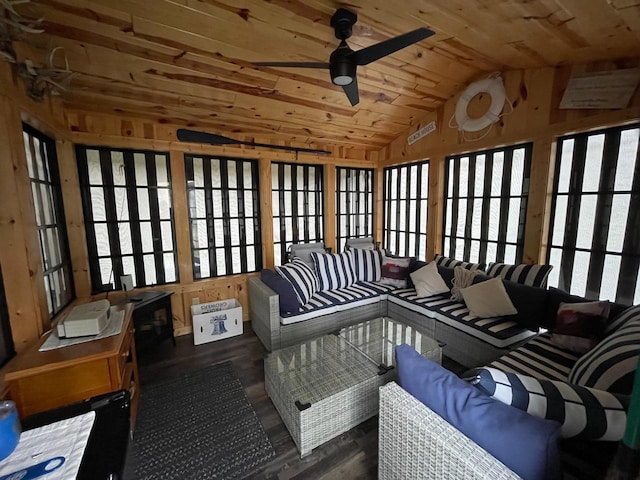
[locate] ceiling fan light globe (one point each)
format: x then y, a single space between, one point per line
342 80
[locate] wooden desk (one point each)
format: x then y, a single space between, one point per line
40 381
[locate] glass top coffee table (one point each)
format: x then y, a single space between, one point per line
328 385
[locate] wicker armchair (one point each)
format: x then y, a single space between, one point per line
416 443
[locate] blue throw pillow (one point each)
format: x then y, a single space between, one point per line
287 296
526 444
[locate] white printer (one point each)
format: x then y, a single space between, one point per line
84 320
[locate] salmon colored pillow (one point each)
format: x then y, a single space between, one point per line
580 326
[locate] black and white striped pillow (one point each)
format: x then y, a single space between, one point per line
582 412
301 277
367 264
334 270
612 363
624 318
532 275
452 263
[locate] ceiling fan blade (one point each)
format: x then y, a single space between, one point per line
292 64
382 49
352 91
186 135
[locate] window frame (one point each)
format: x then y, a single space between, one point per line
210 219
418 199
283 243
501 242
52 183
605 193
369 206
112 221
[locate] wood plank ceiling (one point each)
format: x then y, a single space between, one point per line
188 62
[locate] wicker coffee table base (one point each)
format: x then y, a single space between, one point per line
328 418
337 378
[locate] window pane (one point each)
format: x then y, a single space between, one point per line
93 167
117 167
405 209
102 239
108 216
218 237
147 237
593 163
126 246
494 229
140 164
144 212
296 213
596 251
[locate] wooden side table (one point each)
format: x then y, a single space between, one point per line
40 381
152 318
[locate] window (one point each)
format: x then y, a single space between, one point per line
128 214
486 205
297 206
406 190
594 244
50 222
6 340
224 212
354 204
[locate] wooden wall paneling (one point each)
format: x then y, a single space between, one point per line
74 217
540 200
537 90
181 313
330 208
378 196
23 281
536 94
106 130
181 217
46 116
266 214
211 290
435 206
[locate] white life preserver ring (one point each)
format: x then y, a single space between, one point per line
492 86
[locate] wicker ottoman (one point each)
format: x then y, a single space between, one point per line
326 386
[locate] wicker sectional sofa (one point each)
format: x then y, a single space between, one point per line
415 442
467 339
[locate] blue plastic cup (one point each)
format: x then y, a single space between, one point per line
10 428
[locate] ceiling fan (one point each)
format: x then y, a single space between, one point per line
343 62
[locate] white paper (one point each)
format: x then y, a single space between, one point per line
114 327
611 89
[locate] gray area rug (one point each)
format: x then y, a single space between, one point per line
197 426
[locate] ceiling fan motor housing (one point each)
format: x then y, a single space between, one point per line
342 21
342 67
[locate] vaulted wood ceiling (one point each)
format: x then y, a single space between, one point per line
189 62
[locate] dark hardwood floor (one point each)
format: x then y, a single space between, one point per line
352 455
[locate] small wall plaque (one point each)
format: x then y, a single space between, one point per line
611 89
423 132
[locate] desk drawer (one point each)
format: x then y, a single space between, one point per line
37 393
124 355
